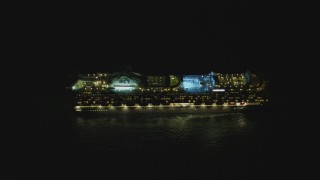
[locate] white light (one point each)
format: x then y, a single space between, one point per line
218 90
124 88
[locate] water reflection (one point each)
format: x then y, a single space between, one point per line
205 134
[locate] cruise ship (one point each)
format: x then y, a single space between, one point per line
131 92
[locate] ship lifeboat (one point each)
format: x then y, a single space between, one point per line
130 103
143 104
243 103
156 103
116 104
219 102
197 103
232 103
165 103
208 103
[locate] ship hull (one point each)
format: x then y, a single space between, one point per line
162 110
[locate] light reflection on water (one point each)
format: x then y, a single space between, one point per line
155 146
231 146
201 133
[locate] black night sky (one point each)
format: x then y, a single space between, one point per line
156 38
187 37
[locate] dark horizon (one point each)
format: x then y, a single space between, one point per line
170 38
175 38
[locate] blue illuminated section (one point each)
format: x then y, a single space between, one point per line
197 83
191 82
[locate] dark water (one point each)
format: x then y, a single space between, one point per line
159 146
155 146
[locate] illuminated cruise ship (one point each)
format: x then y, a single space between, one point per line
125 92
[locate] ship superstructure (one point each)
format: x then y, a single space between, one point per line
134 92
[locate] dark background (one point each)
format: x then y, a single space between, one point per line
186 37
189 37
158 37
